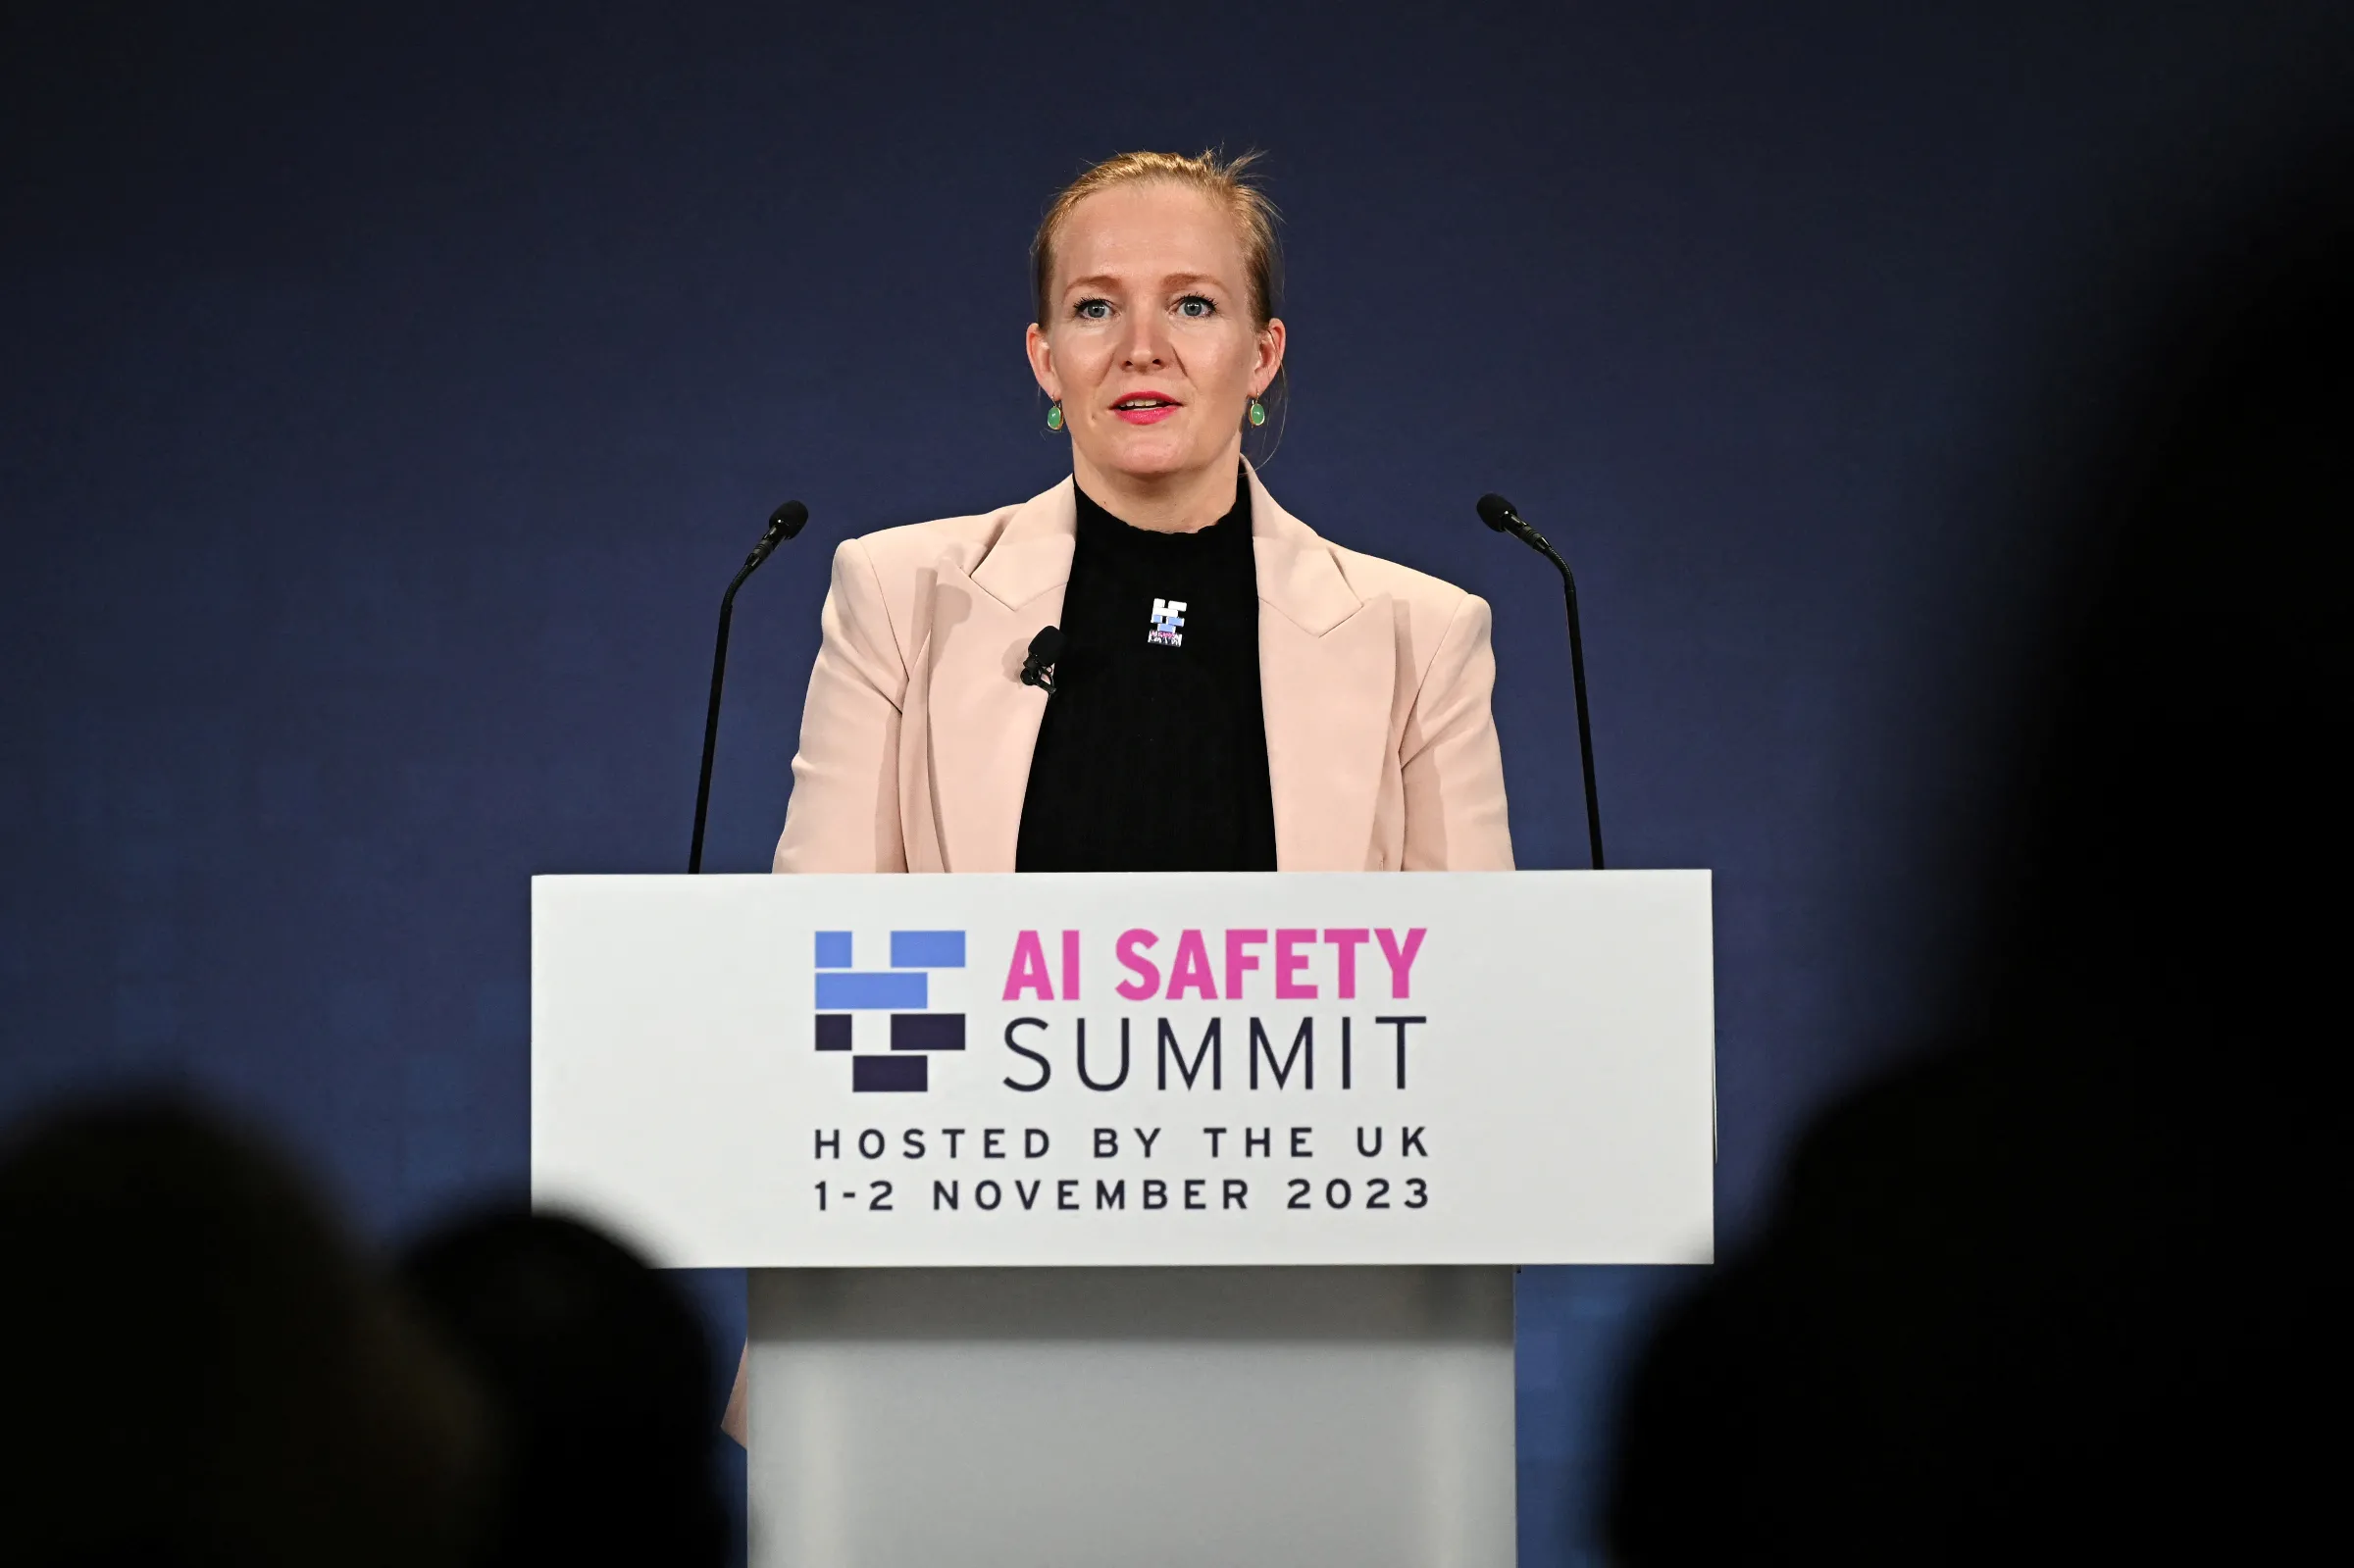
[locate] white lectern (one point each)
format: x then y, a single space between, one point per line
1140 1219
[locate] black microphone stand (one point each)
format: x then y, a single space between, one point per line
782 523
1577 679
1499 514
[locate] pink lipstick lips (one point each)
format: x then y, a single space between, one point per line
1146 407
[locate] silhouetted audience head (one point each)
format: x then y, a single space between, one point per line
196 1369
601 1377
2057 1289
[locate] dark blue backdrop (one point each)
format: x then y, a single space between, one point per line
389 399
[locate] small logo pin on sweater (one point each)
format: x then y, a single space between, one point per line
1167 616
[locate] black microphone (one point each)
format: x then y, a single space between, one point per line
1499 513
1046 649
782 523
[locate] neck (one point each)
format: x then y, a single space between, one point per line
1183 502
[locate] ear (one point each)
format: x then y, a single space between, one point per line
1041 361
1271 340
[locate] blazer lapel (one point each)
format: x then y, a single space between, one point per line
981 722
1327 670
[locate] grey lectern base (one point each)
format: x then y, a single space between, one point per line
1146 1418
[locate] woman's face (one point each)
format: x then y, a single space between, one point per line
1151 350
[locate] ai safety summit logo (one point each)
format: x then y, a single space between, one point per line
885 1019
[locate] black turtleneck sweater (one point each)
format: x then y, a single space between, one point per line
1152 755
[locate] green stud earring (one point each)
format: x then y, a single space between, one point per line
1258 412
1055 415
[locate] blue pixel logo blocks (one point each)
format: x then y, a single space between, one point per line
896 1003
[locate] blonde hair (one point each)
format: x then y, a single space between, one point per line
1222 179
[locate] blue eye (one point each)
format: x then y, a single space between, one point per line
1092 310
1196 306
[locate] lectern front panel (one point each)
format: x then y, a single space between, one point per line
1070 1418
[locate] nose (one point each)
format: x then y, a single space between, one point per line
1146 345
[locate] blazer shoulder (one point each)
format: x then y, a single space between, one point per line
1431 604
901 555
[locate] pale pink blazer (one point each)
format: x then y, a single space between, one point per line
917 733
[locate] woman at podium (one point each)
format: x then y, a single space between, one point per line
1223 688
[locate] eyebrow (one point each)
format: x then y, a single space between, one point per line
1173 281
